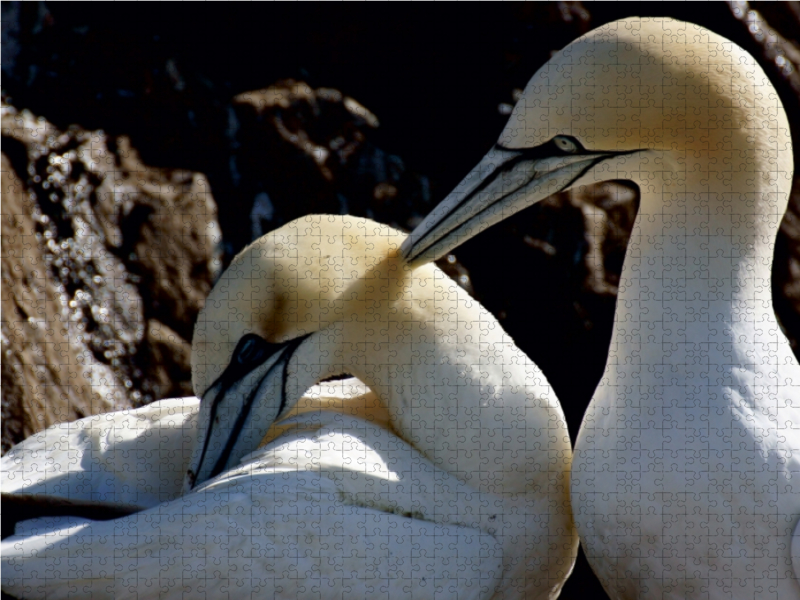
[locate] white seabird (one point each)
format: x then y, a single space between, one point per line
326 295
473 499
686 476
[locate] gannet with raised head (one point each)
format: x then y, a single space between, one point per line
686 476
326 295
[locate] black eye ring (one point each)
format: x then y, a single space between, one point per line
250 349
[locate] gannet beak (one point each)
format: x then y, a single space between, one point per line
240 406
503 183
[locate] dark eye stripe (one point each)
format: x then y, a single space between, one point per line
546 150
251 351
287 349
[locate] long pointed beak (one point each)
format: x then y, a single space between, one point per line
504 182
239 408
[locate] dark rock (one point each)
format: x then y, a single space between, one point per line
105 264
298 150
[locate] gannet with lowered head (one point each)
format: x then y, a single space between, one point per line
326 295
686 476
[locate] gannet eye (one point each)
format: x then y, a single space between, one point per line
252 350
566 144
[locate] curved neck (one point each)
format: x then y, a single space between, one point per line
696 281
708 244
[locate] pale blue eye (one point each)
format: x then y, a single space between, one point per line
566 144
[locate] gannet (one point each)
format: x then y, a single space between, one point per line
473 436
685 481
326 295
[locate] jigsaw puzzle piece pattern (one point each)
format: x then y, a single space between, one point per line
131 457
333 502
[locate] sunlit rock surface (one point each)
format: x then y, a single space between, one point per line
105 264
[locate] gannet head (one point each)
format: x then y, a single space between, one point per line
280 290
289 283
628 87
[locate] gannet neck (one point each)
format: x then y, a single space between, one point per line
697 271
715 245
410 334
286 284
421 347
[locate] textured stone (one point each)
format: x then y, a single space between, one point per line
105 264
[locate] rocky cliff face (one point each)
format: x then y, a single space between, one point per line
105 264
107 261
296 150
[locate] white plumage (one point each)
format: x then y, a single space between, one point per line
331 294
686 476
334 503
449 480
